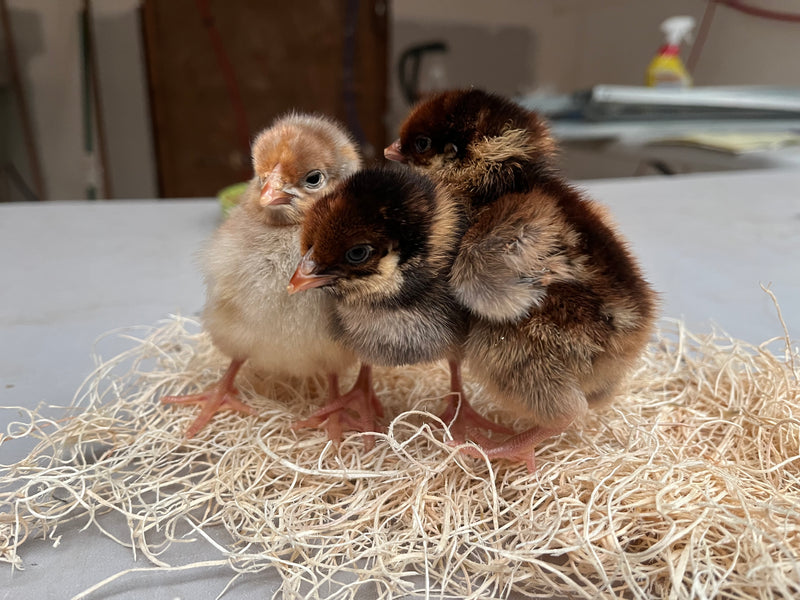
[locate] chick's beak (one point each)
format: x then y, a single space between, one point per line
306 276
393 152
275 198
272 192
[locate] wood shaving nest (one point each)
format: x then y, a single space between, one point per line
687 486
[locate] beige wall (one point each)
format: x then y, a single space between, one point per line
575 44
584 42
46 34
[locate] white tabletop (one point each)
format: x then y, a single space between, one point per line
72 271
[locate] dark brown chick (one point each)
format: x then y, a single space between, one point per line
560 311
248 313
382 245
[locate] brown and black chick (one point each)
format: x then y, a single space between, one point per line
246 264
382 245
560 310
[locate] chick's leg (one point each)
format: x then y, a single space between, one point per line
358 409
459 414
517 448
220 396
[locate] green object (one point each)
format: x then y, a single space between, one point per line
229 196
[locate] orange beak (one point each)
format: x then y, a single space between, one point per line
394 153
306 277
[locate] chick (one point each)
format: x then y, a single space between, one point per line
559 308
382 245
248 313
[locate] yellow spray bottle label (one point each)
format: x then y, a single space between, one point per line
667 68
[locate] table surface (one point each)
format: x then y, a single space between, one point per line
72 271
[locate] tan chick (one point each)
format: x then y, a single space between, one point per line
249 259
560 311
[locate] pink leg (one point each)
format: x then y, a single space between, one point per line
459 414
220 396
517 448
358 409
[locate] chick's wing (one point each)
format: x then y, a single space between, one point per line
514 249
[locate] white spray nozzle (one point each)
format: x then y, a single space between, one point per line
677 29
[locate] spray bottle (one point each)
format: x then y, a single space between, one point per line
667 68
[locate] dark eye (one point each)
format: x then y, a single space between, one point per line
314 179
422 144
358 254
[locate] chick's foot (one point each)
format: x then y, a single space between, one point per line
223 395
459 415
357 410
517 448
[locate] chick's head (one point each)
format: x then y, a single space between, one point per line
467 137
297 160
374 238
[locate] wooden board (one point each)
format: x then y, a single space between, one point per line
220 71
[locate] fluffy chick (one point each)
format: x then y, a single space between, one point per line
248 313
382 245
559 308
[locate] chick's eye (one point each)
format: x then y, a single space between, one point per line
422 144
314 179
358 254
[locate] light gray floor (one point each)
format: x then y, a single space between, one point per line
71 271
